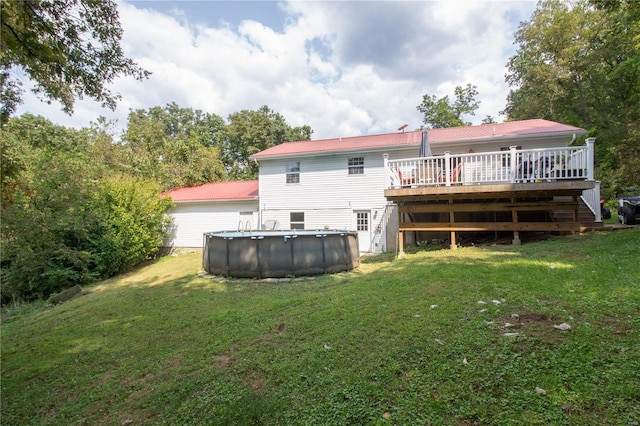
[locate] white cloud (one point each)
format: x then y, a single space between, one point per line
344 68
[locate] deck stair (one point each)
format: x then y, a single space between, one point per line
586 218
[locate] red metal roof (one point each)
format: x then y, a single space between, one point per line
452 134
219 191
509 128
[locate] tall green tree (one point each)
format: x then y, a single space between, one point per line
446 113
249 132
578 62
69 48
174 146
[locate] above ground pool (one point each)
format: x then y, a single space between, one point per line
278 254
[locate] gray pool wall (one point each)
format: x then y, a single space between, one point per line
279 254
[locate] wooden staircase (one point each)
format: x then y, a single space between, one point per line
586 218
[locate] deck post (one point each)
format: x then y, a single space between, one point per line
514 216
387 176
590 156
576 214
447 168
513 162
452 219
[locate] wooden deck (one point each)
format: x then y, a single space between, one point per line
515 207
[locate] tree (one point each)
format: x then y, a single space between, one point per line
69 48
579 63
67 217
250 132
443 113
174 146
488 120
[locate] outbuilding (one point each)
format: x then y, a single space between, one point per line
216 206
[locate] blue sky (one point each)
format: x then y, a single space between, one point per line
345 68
215 13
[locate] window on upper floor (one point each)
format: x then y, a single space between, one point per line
293 171
296 220
356 166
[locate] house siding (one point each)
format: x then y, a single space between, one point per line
327 194
491 145
191 220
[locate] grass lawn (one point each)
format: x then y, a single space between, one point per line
438 337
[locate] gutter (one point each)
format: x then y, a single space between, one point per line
386 148
509 138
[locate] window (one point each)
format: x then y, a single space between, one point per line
356 166
362 221
293 172
296 220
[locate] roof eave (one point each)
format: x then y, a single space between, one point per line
224 200
336 151
498 138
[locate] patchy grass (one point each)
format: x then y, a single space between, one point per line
404 341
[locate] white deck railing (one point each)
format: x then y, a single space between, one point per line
512 166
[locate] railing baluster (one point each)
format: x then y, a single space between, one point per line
526 165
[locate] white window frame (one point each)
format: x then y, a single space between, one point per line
292 169
296 223
355 165
362 221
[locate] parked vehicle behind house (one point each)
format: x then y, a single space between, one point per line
629 207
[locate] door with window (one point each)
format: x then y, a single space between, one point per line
363 226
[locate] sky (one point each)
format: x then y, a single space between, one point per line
345 68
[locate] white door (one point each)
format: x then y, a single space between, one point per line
363 226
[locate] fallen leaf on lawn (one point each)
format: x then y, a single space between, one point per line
386 415
515 316
511 334
327 347
496 302
464 361
481 302
540 391
482 310
438 341
417 316
563 327
566 408
433 306
508 324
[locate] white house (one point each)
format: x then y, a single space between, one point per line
217 206
340 183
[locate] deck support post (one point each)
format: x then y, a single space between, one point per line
514 216
576 214
452 219
400 239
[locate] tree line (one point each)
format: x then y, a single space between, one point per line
81 205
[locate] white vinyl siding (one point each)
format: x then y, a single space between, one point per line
326 194
191 220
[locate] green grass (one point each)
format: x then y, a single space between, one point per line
162 345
